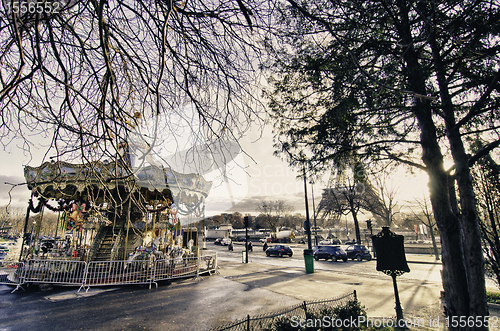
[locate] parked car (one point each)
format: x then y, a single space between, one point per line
358 252
225 241
334 253
330 242
279 250
218 241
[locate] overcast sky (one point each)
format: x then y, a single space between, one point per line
252 178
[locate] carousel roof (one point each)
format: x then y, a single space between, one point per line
66 180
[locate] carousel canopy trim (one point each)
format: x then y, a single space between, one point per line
52 178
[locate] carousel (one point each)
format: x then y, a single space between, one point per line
107 212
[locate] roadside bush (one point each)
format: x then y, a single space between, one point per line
352 309
283 323
315 318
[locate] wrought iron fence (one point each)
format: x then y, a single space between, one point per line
103 273
273 320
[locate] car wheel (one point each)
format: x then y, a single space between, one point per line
359 258
316 257
344 259
267 254
369 258
280 254
334 259
291 254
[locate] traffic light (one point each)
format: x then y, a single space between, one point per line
307 229
369 224
247 220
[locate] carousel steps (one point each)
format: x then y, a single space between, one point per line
104 251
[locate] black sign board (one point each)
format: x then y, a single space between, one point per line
390 252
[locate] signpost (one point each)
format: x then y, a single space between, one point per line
391 260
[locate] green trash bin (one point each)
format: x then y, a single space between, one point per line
309 260
243 256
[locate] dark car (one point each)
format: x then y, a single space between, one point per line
279 250
358 252
331 242
330 252
218 241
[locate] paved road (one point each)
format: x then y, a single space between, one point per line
421 272
265 284
424 268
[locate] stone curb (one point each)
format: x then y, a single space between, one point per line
494 306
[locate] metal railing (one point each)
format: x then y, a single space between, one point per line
115 251
62 272
10 273
104 273
186 267
282 317
97 242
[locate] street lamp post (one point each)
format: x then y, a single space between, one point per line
247 223
308 223
308 253
314 216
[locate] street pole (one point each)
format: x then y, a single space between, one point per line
308 223
247 221
308 253
314 215
246 242
400 324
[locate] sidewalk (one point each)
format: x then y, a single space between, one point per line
419 299
375 293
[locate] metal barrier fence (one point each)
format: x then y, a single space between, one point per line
208 264
10 273
185 267
54 272
273 320
103 273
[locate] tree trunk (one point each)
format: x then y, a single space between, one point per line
454 276
471 233
434 245
354 213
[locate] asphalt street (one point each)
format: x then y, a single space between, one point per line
263 285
